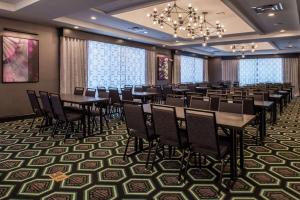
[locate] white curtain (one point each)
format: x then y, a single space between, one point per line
73 64
230 70
205 70
151 67
176 75
291 73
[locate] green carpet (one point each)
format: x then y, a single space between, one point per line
96 170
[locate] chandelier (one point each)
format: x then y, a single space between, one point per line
188 21
243 48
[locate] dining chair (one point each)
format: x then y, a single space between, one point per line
231 106
166 128
200 103
115 105
90 92
47 108
126 95
138 88
166 90
63 117
202 124
78 91
189 96
175 100
137 127
35 105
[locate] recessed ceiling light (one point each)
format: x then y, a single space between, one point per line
76 27
93 17
282 31
271 14
164 45
145 32
176 41
129 38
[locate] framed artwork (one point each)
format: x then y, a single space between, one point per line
163 68
20 60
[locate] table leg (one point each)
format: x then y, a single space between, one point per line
241 149
274 112
281 105
89 119
84 121
101 120
233 168
262 124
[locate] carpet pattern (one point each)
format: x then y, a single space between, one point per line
93 168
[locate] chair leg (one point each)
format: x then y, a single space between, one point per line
106 122
148 156
33 120
181 165
55 127
221 171
187 165
127 144
41 129
67 130
155 153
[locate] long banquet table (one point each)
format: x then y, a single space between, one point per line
86 103
234 122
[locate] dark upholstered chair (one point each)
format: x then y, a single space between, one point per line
166 90
47 108
200 103
136 126
115 105
166 127
90 92
231 106
78 91
138 88
63 117
202 124
175 100
127 95
35 105
214 103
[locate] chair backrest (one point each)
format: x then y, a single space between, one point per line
127 95
90 92
145 88
166 90
165 125
47 107
189 95
214 103
231 106
78 91
202 131
128 87
102 93
258 96
175 100
200 103
34 102
57 106
248 106
135 119
114 96
138 88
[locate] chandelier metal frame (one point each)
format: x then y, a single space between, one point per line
243 48
188 21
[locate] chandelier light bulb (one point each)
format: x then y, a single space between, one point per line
148 15
175 35
204 44
155 9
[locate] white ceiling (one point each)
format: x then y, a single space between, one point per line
217 11
242 24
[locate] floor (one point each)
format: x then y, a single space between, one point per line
93 168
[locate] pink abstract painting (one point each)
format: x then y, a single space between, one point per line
20 60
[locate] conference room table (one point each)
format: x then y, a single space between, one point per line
86 103
180 90
236 123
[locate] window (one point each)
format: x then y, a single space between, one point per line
113 65
266 70
191 69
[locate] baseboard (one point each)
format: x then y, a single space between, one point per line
14 118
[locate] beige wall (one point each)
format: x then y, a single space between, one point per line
13 99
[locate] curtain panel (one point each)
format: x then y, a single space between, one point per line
230 70
176 75
150 67
291 73
205 70
73 64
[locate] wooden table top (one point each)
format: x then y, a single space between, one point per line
144 93
264 104
229 120
78 99
275 96
180 90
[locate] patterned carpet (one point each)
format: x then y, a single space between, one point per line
93 168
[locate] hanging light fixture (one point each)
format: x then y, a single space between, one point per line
243 48
188 21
